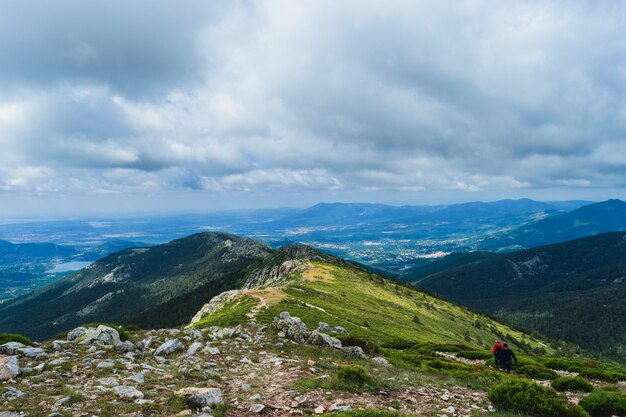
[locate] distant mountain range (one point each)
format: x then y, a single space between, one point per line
574 290
164 284
589 220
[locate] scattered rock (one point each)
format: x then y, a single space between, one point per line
31 352
138 378
108 382
202 397
381 361
257 408
321 339
10 348
169 347
319 409
105 365
9 368
194 348
354 351
12 393
293 327
126 391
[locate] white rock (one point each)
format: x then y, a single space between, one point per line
126 391
257 408
169 347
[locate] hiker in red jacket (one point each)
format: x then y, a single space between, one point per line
496 353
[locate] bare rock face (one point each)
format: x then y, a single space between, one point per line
217 303
274 275
9 368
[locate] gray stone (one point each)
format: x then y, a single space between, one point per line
203 397
381 361
12 393
61 401
255 397
9 368
31 352
354 351
194 333
257 408
193 348
125 391
105 365
169 347
76 333
108 382
145 343
292 327
324 328
322 339
108 335
338 329
9 414
124 347
246 387
10 348
138 378
59 344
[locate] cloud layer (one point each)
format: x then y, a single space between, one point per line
238 97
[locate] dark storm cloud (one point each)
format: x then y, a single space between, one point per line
279 95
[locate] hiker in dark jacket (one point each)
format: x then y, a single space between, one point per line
506 358
496 353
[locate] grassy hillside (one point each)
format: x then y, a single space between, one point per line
575 291
372 308
153 287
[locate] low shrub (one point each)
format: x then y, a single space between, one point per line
602 403
603 375
522 396
537 372
13 337
352 374
561 364
576 383
132 328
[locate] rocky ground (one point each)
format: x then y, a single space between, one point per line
240 371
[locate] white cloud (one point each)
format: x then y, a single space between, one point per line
318 95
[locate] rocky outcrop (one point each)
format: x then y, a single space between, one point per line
274 275
291 327
217 303
322 339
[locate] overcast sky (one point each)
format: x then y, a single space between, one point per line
109 106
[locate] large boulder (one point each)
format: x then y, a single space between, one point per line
169 347
125 391
354 351
202 397
291 327
75 333
9 368
321 339
108 335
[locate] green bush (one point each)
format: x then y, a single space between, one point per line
602 403
526 397
12 337
603 375
352 375
132 328
537 372
576 383
562 364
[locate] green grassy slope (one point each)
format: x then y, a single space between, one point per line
574 291
371 308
